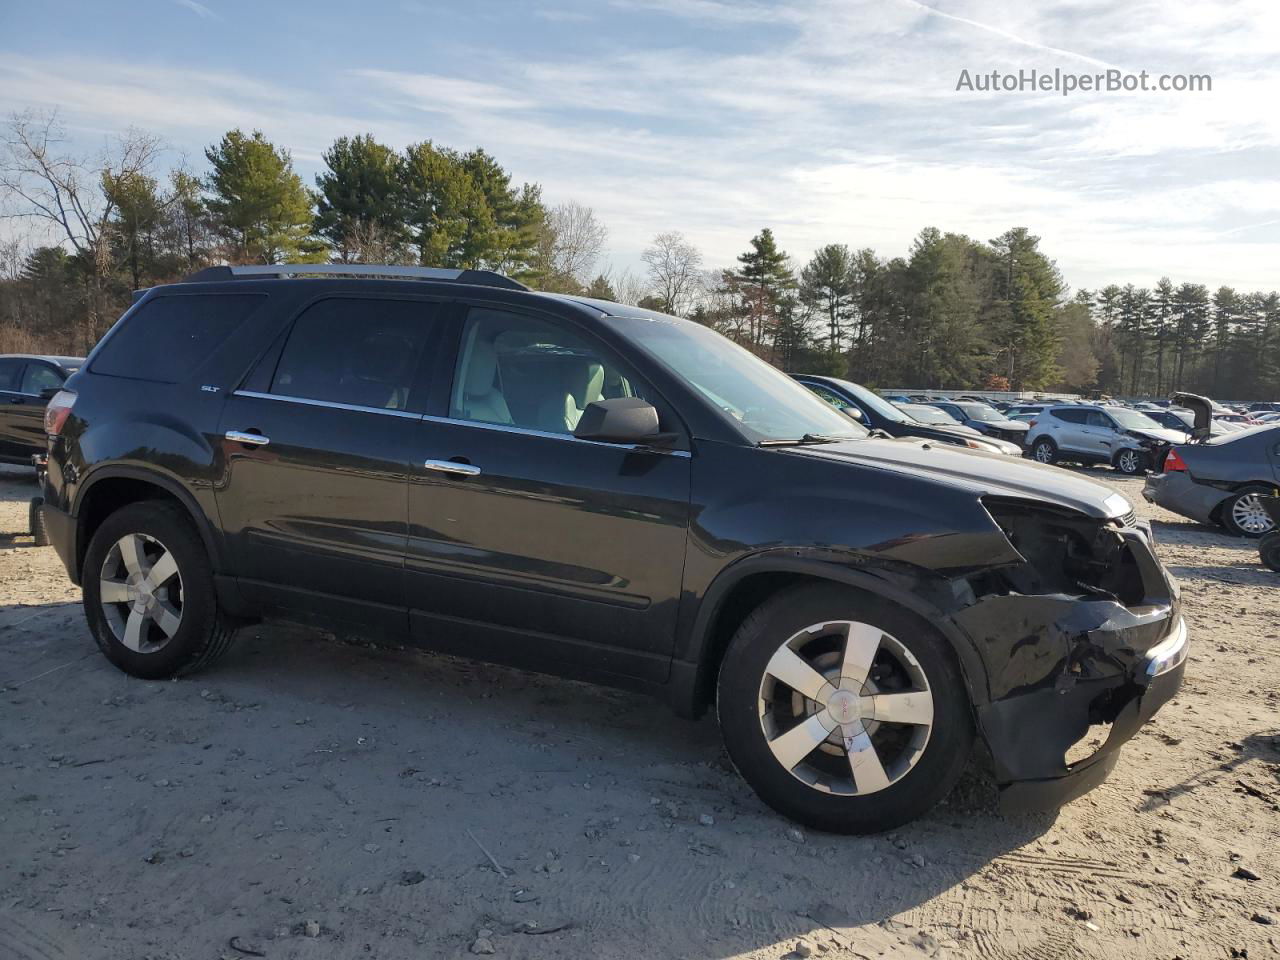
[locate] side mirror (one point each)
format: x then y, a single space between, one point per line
854 412
621 420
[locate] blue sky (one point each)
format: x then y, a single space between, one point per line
828 121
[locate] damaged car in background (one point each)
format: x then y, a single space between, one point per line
595 490
1220 479
1128 440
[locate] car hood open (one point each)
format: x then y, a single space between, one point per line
983 473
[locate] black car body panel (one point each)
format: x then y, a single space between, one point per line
625 564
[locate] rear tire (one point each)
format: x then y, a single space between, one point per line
1243 515
153 630
846 755
1269 550
1044 450
35 518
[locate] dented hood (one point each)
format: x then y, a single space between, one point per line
976 470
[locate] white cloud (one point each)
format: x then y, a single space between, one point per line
199 9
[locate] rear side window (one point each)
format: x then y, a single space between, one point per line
167 337
39 378
9 370
362 353
1071 416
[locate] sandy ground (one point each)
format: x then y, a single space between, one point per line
316 799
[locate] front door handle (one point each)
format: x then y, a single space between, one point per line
452 466
252 439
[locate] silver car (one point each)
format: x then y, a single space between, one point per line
1128 440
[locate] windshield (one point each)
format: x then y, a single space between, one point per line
1132 419
980 411
766 403
873 401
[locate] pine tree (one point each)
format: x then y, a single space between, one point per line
827 286
763 278
361 196
262 208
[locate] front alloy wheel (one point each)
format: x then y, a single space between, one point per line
843 711
845 708
1129 462
1044 451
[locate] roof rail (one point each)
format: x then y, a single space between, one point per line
485 278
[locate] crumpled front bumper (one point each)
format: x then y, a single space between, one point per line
1160 677
1066 672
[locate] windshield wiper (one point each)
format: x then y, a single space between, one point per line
808 438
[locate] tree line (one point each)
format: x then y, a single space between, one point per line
955 312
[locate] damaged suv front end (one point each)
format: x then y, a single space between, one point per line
1084 641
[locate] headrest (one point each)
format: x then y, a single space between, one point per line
587 384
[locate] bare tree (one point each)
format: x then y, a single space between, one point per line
572 241
40 183
629 288
675 271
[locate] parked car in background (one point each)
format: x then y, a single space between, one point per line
596 490
1025 412
27 381
985 419
1129 441
1263 408
873 411
1178 419
928 413
1221 480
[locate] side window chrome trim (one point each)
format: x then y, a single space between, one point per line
331 404
503 428
547 434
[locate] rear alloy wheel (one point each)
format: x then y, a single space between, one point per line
1130 462
841 711
149 595
1044 451
1244 515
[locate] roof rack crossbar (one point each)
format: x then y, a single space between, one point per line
487 278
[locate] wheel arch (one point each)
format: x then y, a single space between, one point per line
750 582
108 489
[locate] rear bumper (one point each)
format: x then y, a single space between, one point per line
61 529
1176 491
1150 684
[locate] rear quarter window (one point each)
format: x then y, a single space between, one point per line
168 337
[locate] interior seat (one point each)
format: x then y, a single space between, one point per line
482 398
581 383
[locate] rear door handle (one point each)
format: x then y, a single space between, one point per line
252 439
452 466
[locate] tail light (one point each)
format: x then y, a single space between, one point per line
56 413
1174 463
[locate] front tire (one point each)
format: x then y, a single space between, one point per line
1130 462
149 595
1044 450
842 711
1244 515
